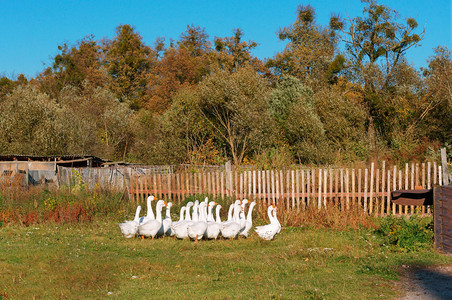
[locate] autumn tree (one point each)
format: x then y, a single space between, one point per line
291 104
434 116
233 52
344 122
181 66
235 105
7 85
27 123
128 62
376 42
72 66
310 52
95 122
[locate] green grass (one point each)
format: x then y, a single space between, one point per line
92 260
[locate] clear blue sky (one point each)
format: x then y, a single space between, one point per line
32 30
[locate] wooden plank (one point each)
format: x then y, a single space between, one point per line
417 175
423 183
293 180
394 187
342 202
254 184
347 188
412 185
178 188
219 190
182 187
241 186
319 201
383 176
169 183
137 192
366 176
297 187
273 186
400 187
388 192
131 195
208 182
222 191
354 202
141 188
371 192
330 171
377 190
269 194
359 187
406 184
259 184
146 189
336 186
202 182
236 185
308 187
264 186
325 181
303 191
313 179
281 183
440 175
435 175
287 190
250 184
194 183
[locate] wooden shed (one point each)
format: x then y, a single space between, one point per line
31 169
442 214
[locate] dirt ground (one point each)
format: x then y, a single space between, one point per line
427 283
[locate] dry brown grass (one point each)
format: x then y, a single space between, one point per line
331 216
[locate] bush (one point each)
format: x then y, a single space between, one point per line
411 233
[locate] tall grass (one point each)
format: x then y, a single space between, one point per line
37 204
62 205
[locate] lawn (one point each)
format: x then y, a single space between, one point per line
92 260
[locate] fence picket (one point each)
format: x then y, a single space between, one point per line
371 192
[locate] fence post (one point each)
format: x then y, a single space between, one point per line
444 166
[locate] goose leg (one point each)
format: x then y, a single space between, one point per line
142 237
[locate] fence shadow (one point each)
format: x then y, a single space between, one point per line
437 284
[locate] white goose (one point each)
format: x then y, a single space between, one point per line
213 228
129 228
198 227
242 215
181 219
167 221
153 228
180 228
249 220
218 218
275 218
230 229
150 214
267 232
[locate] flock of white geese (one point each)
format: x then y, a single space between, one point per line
197 221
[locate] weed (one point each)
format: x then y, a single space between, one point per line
409 233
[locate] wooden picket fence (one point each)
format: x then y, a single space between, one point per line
297 188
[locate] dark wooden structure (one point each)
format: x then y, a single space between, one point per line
75 161
442 214
412 197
